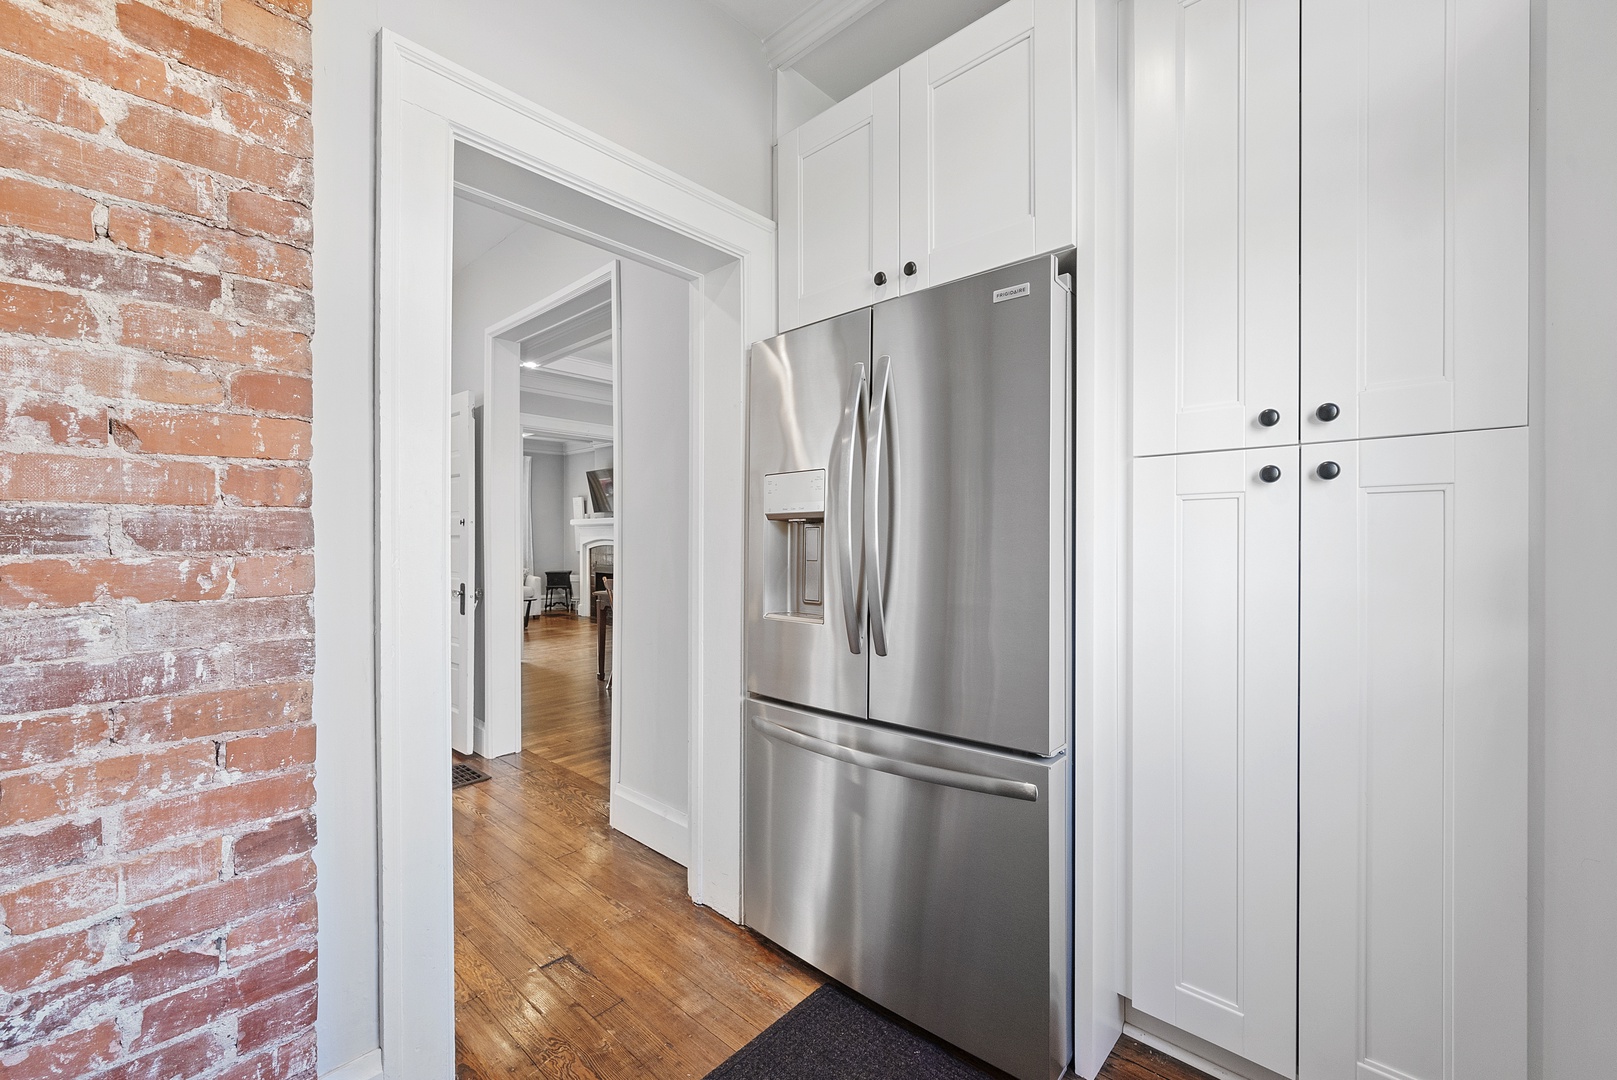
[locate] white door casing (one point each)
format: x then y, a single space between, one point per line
838 206
1215 749
1413 759
1215 206
986 144
1415 212
615 199
462 570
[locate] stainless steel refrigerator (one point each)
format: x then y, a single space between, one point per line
909 537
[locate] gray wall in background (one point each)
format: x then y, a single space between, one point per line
552 536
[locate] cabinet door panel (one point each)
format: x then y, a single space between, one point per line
1413 871
1415 254
985 144
1215 749
1215 223
838 207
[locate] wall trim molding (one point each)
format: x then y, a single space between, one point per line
813 27
656 825
365 1067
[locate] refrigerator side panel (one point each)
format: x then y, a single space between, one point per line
968 523
805 477
919 872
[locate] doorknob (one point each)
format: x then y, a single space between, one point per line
1269 474
909 269
881 277
1329 470
1328 411
1269 417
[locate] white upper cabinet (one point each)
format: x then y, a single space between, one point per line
1214 897
1414 750
985 144
838 207
1215 224
960 161
1415 216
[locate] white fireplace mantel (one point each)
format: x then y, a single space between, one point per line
588 534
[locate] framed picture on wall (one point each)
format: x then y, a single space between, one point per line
601 490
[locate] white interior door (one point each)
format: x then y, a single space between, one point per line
1413 811
1215 748
839 207
1215 224
985 144
462 570
1415 216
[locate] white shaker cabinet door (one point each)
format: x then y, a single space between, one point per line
1214 846
1415 216
1413 809
838 207
1215 224
986 144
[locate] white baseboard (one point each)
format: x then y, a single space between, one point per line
1213 1060
661 828
366 1067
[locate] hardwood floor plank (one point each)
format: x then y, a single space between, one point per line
578 952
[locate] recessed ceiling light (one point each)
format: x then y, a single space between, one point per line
527 434
531 364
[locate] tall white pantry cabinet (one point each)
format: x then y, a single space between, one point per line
1329 532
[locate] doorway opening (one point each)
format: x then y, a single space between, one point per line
444 131
574 939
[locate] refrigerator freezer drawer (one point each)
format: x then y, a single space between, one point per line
929 876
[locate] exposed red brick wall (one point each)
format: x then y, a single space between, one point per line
156 638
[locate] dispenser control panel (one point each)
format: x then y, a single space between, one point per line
795 494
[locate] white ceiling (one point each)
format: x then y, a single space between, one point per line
479 230
883 38
843 45
764 17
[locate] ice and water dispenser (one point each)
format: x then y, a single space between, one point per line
794 503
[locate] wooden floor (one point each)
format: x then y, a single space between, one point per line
578 952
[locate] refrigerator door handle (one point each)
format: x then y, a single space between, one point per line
875 444
910 770
853 614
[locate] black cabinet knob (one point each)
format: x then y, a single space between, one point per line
881 277
1329 470
1269 417
909 269
1269 474
1328 411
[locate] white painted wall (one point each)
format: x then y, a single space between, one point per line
524 268
652 500
552 536
1573 1024
671 79
674 80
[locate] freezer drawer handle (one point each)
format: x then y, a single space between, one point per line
927 774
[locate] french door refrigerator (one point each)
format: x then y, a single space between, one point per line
908 612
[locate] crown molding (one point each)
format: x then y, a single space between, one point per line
813 27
